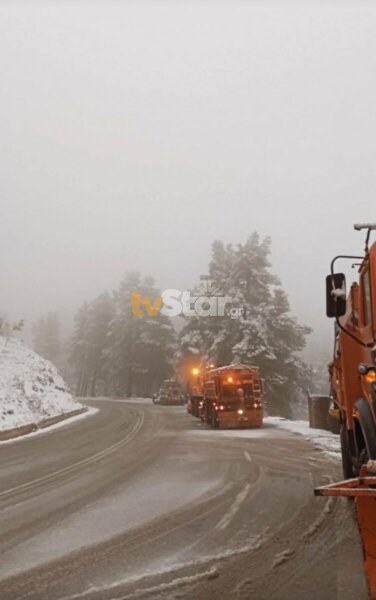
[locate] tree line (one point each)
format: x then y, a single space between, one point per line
115 352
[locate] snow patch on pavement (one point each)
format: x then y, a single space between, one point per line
325 440
204 432
175 583
273 427
205 562
239 499
31 388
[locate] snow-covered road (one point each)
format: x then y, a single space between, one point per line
140 500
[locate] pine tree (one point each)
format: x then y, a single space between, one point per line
141 346
90 346
100 316
7 328
264 333
78 357
46 336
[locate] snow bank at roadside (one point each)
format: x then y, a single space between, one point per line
31 388
325 440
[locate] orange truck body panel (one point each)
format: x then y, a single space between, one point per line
353 385
348 386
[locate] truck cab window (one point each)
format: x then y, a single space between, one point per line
367 298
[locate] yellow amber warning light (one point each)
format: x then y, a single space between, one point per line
371 376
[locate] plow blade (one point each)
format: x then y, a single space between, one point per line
363 489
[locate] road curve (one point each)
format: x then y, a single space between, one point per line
143 501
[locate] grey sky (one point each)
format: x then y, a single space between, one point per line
133 134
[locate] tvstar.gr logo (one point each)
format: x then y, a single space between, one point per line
173 303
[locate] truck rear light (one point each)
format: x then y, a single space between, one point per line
221 407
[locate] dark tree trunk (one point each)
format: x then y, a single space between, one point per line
130 382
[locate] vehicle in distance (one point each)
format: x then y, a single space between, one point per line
169 394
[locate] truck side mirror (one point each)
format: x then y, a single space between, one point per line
335 295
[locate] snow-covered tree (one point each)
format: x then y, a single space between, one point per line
115 351
90 346
272 340
8 328
262 332
142 347
79 353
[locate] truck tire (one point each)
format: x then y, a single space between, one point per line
347 463
193 407
368 428
214 421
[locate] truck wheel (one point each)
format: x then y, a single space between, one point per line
194 408
368 428
214 421
347 465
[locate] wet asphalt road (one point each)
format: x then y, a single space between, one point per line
143 501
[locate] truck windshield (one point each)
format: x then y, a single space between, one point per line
231 391
367 298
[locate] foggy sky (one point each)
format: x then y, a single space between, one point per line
134 134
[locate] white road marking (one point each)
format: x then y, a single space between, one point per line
247 455
227 518
80 463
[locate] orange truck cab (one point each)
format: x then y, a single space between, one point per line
353 368
232 397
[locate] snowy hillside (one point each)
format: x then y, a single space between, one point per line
31 389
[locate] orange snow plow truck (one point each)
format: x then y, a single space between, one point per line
353 369
230 396
353 385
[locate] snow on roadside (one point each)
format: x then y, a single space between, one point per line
325 440
31 388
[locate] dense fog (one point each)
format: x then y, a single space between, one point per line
135 134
